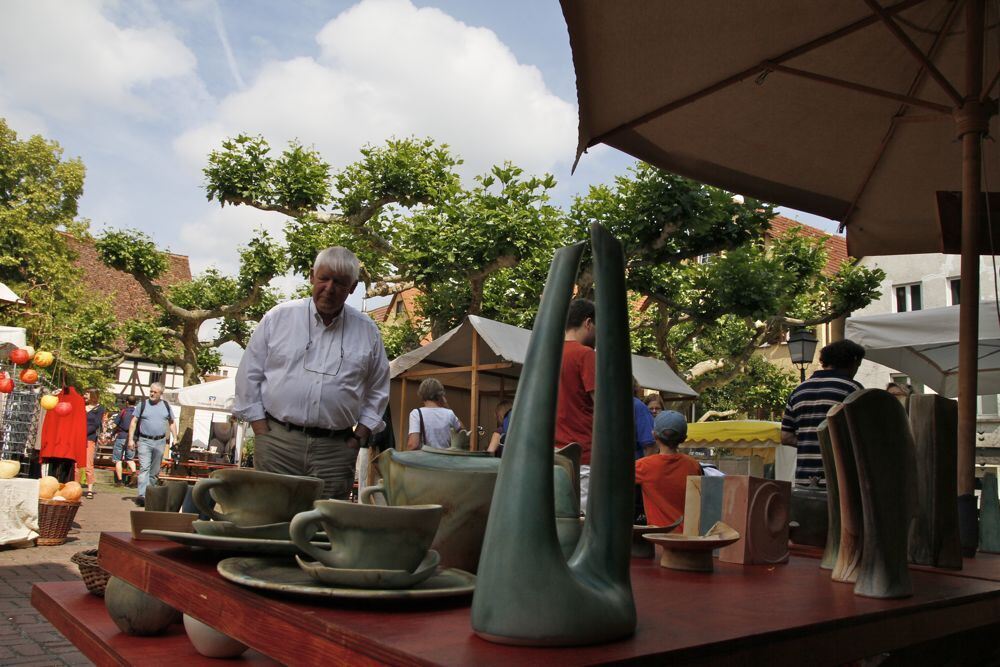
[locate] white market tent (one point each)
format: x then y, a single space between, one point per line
7 295
480 362
215 396
923 344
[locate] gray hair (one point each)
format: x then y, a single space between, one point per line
340 260
431 389
154 385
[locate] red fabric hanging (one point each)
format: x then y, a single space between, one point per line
65 436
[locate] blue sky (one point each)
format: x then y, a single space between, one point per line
143 90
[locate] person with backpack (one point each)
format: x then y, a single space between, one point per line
150 430
124 449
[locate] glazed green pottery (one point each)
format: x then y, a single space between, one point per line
526 591
254 498
373 537
136 612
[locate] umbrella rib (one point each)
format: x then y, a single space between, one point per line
891 131
915 51
750 71
861 88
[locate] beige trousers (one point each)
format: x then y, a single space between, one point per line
292 452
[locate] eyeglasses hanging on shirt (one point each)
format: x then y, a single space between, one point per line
320 367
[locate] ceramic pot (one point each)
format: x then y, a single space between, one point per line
462 483
371 537
210 642
135 612
9 468
254 498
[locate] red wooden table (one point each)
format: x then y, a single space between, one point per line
782 615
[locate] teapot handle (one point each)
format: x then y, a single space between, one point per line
369 491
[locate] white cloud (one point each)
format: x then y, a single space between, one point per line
386 68
214 240
68 58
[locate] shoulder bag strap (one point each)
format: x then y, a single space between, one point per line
423 432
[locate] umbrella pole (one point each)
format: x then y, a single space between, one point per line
973 123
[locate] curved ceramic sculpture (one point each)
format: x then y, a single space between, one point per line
526 592
880 434
934 538
989 515
135 612
845 568
832 548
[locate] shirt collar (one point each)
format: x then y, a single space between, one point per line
318 319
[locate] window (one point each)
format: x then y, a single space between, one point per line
399 307
705 259
155 376
954 291
988 405
908 298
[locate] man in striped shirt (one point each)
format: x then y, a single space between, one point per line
811 400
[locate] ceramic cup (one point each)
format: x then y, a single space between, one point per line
368 536
253 498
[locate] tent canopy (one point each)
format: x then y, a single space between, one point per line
217 395
736 431
923 344
503 354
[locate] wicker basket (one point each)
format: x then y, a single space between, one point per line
54 520
94 576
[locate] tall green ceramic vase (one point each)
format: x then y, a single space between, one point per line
526 592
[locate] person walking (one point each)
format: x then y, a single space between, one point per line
152 429
811 400
432 424
96 415
123 449
314 380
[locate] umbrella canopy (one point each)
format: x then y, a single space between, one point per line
923 344
7 295
812 105
733 431
217 395
860 112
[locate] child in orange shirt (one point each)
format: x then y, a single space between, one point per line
663 476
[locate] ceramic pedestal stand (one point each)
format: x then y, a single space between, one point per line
934 538
832 549
526 592
845 568
880 433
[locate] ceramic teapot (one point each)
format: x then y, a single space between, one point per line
462 482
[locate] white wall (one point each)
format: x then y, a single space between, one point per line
933 273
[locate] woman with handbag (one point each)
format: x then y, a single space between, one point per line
432 424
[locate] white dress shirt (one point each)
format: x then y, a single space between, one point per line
304 372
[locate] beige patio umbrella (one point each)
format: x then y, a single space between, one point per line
850 109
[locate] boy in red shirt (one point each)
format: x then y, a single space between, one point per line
663 476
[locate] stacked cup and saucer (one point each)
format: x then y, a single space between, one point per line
250 511
373 552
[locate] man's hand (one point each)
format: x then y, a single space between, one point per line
260 427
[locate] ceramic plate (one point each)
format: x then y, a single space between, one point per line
383 579
282 576
232 544
719 535
270 531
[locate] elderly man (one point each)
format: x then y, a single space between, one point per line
152 424
314 380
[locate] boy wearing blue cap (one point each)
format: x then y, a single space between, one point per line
663 476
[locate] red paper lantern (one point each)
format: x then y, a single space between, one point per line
29 376
63 409
6 385
19 356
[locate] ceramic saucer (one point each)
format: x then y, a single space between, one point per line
383 579
270 531
230 544
284 576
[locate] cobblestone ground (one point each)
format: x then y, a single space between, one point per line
26 638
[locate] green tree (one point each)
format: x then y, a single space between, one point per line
402 210
172 334
713 290
39 190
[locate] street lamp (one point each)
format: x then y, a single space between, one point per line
801 348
